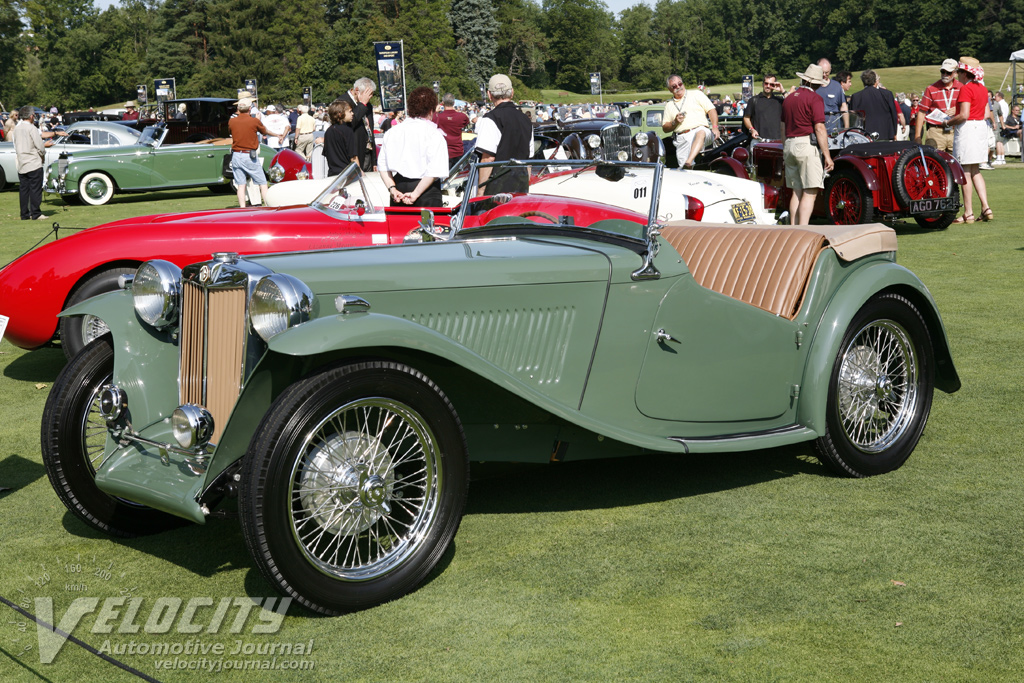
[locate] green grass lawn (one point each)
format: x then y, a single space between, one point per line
736 567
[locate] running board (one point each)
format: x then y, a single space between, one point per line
770 438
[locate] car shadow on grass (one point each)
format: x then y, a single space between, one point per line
41 366
501 488
18 472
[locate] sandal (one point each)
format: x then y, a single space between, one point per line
987 215
966 218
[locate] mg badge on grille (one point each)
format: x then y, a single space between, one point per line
204 274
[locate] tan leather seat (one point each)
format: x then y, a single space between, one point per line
764 267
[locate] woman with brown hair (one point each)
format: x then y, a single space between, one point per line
339 140
414 155
970 136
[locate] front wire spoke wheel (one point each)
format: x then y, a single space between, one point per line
354 485
364 488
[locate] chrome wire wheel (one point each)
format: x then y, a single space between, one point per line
880 389
94 429
364 489
92 328
878 386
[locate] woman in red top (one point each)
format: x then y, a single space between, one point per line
970 136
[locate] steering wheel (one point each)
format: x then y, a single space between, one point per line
539 214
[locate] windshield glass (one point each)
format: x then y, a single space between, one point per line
592 198
152 136
348 198
589 112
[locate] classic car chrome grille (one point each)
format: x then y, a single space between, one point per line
615 139
531 344
213 339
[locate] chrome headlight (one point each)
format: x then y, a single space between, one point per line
641 139
623 155
302 174
593 141
276 173
156 292
191 425
280 301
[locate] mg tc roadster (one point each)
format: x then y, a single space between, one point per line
335 398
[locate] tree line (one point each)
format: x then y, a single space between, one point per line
69 54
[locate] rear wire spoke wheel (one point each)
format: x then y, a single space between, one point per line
848 199
354 485
880 390
73 440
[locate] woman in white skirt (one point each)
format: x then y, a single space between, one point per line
970 136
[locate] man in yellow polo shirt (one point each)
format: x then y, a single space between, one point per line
688 115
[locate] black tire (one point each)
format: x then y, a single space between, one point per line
848 199
314 449
880 391
95 188
3 180
944 220
920 173
73 436
77 332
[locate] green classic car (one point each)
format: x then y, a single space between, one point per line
336 397
96 176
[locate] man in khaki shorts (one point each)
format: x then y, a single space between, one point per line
803 116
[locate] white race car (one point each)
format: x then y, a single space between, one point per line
694 195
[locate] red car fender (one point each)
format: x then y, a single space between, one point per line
866 172
954 167
36 286
729 166
292 162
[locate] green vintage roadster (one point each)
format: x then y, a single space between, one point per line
94 177
335 398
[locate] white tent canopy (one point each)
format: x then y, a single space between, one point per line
1017 56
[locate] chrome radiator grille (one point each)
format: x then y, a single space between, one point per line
212 342
615 139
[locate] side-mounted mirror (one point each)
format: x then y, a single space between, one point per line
428 231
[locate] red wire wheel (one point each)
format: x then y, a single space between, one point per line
849 200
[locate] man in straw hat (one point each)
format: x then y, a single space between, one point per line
803 115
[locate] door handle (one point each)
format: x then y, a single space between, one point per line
663 336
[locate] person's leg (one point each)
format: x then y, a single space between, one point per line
683 148
807 205
971 171
696 146
35 196
263 193
794 206
24 192
979 187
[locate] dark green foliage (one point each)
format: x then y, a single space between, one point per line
65 52
474 27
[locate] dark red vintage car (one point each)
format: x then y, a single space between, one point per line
872 181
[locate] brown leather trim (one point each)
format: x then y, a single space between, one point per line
762 266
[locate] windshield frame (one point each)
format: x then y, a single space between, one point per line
152 136
650 229
350 174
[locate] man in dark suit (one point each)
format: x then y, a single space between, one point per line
878 105
362 121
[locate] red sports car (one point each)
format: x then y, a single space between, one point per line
37 286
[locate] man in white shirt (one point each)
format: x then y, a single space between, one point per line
30 151
277 124
688 115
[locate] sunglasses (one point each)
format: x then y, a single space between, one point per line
947 73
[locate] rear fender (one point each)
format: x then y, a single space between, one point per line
729 166
954 166
851 296
861 166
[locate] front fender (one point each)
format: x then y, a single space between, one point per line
861 166
850 297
